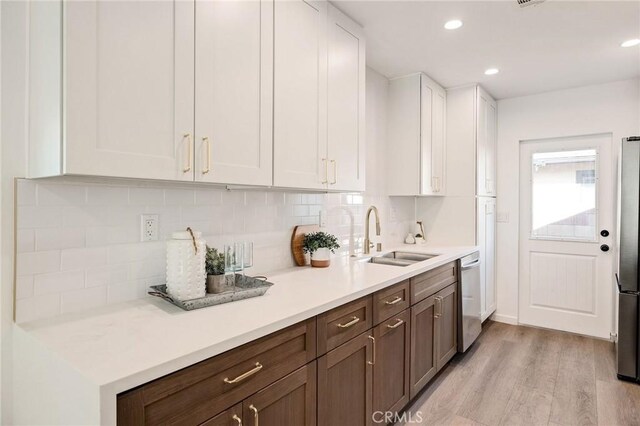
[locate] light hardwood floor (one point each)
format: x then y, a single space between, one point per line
516 375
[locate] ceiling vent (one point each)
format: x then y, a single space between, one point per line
525 3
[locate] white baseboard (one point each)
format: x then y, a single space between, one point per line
507 319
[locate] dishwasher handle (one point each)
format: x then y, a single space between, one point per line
471 265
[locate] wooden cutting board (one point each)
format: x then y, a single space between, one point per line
297 242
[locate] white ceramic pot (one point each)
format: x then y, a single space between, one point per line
321 258
186 272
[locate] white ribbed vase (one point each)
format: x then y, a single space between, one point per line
186 273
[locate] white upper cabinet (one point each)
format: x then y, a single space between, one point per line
346 103
126 90
300 95
486 119
416 136
234 89
244 92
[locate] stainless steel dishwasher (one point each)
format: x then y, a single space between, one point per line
469 321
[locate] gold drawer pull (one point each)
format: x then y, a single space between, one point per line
397 299
398 323
237 419
255 414
353 321
243 376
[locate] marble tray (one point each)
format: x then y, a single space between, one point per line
245 287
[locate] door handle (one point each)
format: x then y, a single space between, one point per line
255 414
373 358
398 323
187 167
237 419
335 172
604 247
326 171
354 321
604 233
208 162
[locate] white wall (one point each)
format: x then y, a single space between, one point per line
605 108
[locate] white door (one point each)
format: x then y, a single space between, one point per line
300 95
234 91
128 78
486 118
566 200
346 102
487 242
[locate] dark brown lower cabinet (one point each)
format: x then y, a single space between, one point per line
230 417
423 355
433 335
288 402
391 368
446 325
345 383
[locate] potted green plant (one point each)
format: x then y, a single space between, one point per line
320 245
216 278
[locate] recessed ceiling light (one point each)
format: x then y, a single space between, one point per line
631 43
454 24
492 71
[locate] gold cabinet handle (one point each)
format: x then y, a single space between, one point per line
187 168
243 376
255 414
335 172
208 168
397 299
373 357
398 323
438 307
326 171
354 321
237 419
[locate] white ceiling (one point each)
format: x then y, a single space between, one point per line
555 45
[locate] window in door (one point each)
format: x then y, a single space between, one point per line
564 195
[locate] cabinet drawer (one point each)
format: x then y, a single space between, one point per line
197 393
390 301
342 324
424 285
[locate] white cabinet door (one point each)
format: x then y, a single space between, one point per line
234 83
486 116
300 94
346 103
128 79
433 107
486 240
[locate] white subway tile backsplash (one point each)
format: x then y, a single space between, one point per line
180 197
25 240
59 238
146 196
83 258
37 307
80 248
84 299
107 195
37 262
24 287
61 194
58 282
26 192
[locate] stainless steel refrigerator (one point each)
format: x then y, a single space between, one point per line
628 345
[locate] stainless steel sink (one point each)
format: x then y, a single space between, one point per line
400 258
405 255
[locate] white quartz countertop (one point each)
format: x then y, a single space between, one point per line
122 346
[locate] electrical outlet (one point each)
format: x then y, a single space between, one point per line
322 219
149 227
